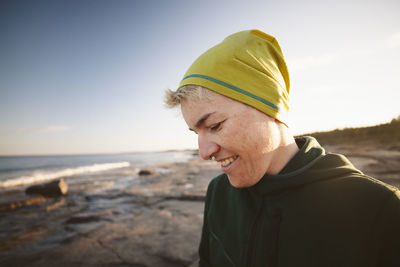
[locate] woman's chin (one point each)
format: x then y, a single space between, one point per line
238 182
241 181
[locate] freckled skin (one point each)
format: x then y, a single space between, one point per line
259 140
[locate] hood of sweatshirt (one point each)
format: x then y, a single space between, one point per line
311 164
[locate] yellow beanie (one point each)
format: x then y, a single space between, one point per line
249 67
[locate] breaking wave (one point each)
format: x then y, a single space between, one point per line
43 177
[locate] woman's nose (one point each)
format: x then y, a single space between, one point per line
206 147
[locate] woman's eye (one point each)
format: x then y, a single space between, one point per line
215 126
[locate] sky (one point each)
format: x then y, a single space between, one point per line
89 76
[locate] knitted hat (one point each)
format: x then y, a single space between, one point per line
249 67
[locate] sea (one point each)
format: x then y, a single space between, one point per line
17 171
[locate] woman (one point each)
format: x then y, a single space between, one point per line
279 201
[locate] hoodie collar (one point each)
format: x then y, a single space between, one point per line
291 175
309 150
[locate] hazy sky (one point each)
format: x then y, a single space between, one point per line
89 76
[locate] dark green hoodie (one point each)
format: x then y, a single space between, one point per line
318 211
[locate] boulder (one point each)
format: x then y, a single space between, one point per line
146 172
52 189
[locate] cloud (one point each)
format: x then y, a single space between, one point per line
394 40
310 62
54 128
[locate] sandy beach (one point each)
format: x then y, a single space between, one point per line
131 220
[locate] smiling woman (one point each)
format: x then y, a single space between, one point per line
276 203
233 134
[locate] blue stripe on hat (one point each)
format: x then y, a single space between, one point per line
233 88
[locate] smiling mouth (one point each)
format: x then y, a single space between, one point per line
228 161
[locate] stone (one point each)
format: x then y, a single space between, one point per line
52 189
20 202
88 218
145 172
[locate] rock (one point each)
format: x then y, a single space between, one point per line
195 263
87 218
145 172
56 205
167 235
17 203
52 189
151 223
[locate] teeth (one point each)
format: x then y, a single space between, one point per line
227 161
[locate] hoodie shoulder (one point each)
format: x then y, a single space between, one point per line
338 169
335 164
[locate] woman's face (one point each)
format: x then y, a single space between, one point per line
242 139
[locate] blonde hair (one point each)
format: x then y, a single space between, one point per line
190 92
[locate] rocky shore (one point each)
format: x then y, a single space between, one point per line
126 220
153 219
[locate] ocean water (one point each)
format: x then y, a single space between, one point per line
25 170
